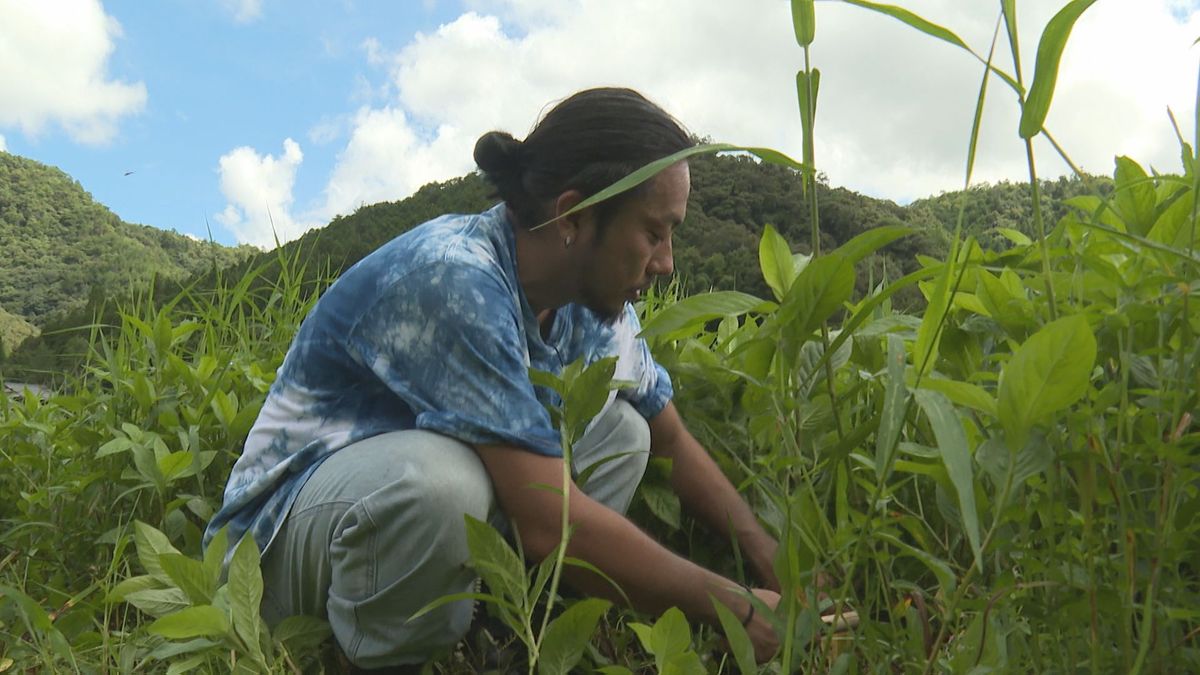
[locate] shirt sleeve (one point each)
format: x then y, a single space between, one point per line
447 338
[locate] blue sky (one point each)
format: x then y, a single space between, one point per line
215 82
244 113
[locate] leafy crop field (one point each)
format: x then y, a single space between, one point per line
1008 481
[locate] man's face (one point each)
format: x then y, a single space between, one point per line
635 246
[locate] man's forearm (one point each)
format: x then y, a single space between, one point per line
705 491
652 577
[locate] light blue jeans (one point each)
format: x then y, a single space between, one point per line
377 533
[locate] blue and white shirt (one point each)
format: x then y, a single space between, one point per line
431 331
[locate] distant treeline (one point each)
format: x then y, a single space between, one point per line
732 199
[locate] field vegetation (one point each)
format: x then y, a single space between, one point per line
1002 476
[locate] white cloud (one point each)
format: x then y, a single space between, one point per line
259 193
895 106
3 145
243 11
53 70
387 158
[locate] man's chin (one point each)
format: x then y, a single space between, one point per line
608 313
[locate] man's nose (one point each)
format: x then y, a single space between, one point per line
662 263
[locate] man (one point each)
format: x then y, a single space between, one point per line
405 402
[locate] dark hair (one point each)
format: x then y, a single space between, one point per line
587 142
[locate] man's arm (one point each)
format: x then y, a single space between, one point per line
705 491
653 577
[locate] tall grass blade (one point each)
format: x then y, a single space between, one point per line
977 121
895 405
1045 73
913 20
656 167
956 456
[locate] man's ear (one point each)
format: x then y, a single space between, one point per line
568 225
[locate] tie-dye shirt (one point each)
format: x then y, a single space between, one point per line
432 331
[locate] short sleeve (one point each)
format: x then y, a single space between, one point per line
447 338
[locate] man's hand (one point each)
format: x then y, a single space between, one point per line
761 632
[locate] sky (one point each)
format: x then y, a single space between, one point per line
245 121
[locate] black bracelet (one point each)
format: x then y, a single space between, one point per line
750 614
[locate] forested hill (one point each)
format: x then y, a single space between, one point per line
63 242
716 247
60 247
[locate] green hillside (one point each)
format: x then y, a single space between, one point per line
62 247
72 254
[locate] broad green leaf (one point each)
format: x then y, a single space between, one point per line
169 650
150 544
305 630
587 395
120 444
698 309
686 663
775 259
131 585
1015 236
1046 374
668 638
1134 196
174 465
1049 53
994 456
739 640
1173 226
187 665
940 568
871 241
895 405
200 621
810 366
35 615
494 559
817 293
158 601
190 576
663 503
245 594
956 456
963 393
214 554
566 637
804 21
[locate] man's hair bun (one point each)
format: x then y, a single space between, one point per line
498 154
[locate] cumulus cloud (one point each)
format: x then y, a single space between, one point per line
259 193
3 145
243 11
54 70
895 106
